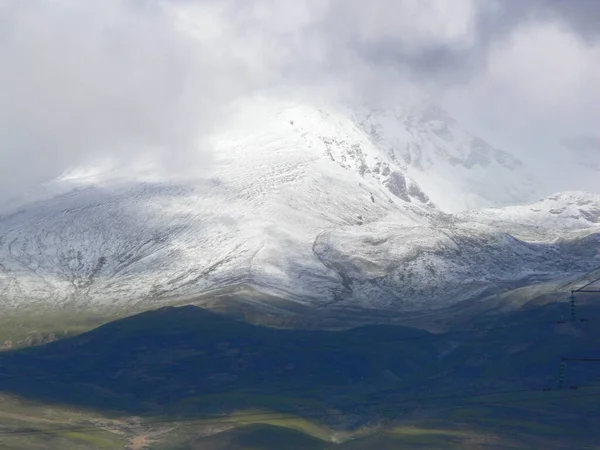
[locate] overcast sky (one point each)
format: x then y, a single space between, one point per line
91 78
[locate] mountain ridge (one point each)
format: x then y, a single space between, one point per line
290 190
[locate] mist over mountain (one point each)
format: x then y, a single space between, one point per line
585 151
316 204
395 156
299 224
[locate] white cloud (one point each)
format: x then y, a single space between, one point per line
413 24
542 73
539 85
546 67
82 79
121 77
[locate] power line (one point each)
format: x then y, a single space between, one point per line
582 288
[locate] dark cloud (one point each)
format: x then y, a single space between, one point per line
444 62
581 16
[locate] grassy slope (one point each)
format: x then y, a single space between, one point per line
464 428
30 425
19 330
455 436
189 362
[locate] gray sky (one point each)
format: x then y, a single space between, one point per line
90 78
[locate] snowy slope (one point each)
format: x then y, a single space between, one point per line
456 170
412 267
300 201
547 220
252 216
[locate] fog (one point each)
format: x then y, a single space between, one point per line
132 78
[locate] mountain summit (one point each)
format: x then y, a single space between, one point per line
313 204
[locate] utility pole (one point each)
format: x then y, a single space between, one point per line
563 368
582 290
562 371
573 305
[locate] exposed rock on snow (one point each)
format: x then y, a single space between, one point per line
319 205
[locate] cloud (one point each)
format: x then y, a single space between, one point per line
538 84
132 77
128 78
359 48
525 72
90 79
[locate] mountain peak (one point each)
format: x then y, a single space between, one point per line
291 187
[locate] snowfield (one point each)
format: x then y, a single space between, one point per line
317 204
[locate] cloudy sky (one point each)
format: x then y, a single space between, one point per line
83 79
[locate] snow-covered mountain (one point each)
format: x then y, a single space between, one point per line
317 204
456 170
550 219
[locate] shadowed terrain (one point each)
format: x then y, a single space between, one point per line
200 379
